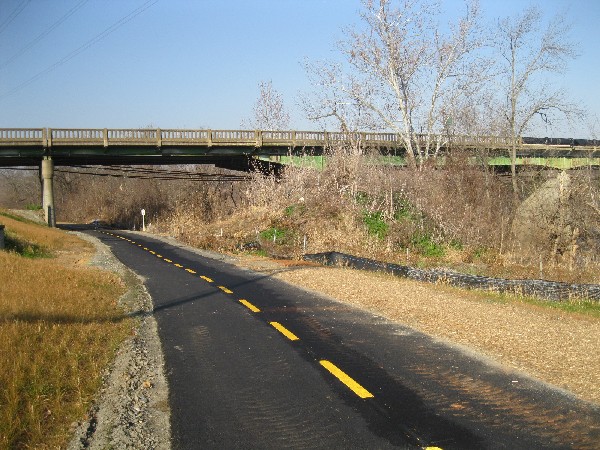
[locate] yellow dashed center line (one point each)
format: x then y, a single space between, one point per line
344 378
249 305
332 368
283 330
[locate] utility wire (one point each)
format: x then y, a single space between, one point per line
144 173
148 170
115 26
165 176
13 15
44 33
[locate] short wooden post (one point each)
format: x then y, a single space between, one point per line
1 237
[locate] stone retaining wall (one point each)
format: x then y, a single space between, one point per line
550 290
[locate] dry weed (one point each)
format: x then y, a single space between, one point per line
459 216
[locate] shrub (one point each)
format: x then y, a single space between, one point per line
274 235
376 225
426 246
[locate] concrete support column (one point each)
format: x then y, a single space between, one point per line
48 191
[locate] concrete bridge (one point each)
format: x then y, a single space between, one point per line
232 149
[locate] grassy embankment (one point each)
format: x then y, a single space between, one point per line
59 328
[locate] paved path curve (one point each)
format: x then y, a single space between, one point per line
255 363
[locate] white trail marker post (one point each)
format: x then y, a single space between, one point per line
143 220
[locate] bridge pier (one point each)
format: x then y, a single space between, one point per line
47 172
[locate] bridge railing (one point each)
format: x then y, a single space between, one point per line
185 136
243 137
158 137
22 135
132 137
66 136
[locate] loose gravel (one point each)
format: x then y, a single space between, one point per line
132 410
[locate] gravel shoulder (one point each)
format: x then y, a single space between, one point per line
132 409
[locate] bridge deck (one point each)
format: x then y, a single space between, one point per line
26 146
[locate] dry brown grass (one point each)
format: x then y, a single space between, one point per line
51 239
59 328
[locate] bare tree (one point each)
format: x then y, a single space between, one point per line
529 54
269 110
405 74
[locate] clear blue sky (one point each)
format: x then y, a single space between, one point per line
197 63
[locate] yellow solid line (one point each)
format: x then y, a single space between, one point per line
168 260
206 278
190 270
283 330
344 378
224 289
433 448
249 305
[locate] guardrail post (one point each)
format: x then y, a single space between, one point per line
259 140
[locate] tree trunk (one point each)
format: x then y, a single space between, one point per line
513 171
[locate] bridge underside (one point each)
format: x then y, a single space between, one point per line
245 158
233 158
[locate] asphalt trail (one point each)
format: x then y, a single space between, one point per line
255 363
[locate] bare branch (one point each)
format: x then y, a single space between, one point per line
269 110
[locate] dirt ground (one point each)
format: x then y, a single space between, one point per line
557 347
